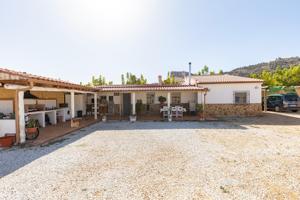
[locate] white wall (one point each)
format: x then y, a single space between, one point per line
49 103
6 106
7 126
80 103
223 93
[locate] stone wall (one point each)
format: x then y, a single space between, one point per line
223 110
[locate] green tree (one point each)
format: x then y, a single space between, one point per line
221 72
98 81
280 77
122 79
204 70
170 79
132 79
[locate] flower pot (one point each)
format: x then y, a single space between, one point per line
31 130
6 142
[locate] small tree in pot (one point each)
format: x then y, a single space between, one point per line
162 99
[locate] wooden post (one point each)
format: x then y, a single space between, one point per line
72 105
17 117
21 117
133 103
95 106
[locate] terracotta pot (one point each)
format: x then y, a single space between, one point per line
201 116
31 130
6 141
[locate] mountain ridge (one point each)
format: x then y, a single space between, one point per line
269 66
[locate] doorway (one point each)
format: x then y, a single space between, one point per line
126 104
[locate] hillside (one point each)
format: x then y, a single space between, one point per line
270 66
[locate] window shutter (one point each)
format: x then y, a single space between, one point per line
248 96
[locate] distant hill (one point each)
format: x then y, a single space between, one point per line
270 66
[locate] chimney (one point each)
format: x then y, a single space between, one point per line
160 79
190 69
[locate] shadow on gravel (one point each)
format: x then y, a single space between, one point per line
17 157
269 118
14 158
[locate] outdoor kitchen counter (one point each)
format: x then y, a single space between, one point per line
41 115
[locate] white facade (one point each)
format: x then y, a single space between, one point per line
186 97
223 93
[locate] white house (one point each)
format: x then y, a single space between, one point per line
26 95
230 95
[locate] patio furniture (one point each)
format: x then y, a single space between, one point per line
165 111
179 112
174 111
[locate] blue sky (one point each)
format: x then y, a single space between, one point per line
74 39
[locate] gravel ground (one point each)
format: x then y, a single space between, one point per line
245 158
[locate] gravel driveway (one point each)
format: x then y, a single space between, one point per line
246 158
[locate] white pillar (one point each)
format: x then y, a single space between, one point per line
21 116
199 97
95 106
72 104
169 99
133 103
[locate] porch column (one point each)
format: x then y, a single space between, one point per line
21 116
169 99
133 103
95 106
265 100
199 97
203 104
72 104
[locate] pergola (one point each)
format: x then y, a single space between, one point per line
21 82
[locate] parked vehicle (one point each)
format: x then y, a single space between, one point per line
283 102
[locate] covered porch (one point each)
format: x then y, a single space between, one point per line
147 101
58 107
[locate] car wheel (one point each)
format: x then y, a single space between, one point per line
277 108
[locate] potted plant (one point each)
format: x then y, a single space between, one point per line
199 110
104 118
139 107
162 99
32 126
132 118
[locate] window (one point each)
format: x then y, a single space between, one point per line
111 98
150 98
241 97
176 98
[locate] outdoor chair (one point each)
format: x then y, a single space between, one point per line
174 111
180 112
165 112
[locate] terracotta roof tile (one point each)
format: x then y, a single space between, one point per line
214 79
149 87
16 75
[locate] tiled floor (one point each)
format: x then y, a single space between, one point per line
54 131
